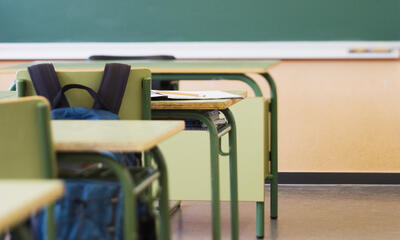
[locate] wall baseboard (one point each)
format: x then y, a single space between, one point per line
338 178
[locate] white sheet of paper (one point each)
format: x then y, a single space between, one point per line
194 95
156 95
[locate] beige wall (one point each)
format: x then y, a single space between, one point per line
334 116
7 79
337 116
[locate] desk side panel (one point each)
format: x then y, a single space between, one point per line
188 158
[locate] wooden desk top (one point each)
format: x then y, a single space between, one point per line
7 95
20 198
175 66
214 104
108 135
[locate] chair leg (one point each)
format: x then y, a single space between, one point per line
215 193
214 152
50 224
164 231
233 175
274 145
274 198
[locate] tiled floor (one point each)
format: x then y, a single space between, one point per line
305 212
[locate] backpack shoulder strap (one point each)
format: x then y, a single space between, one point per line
60 95
45 81
112 86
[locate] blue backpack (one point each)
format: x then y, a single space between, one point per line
90 209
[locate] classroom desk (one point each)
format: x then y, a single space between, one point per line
7 95
210 104
237 70
194 109
106 135
83 139
20 198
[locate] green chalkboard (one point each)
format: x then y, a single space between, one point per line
198 20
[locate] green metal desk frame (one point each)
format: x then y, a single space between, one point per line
215 151
272 166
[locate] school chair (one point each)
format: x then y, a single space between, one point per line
135 102
135 106
26 144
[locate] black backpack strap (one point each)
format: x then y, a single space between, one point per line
60 95
112 86
45 81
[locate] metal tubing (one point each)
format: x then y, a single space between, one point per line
174 208
214 147
21 88
268 177
164 230
274 146
260 220
233 174
13 86
221 152
146 99
214 144
146 182
224 131
146 115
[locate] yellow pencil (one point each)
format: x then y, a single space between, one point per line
358 50
177 93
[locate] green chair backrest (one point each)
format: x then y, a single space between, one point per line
135 102
25 139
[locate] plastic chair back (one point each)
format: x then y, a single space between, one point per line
25 139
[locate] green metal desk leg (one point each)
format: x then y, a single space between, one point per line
260 219
215 194
233 174
164 231
214 151
273 173
274 146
